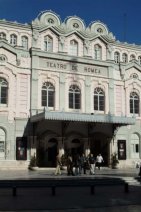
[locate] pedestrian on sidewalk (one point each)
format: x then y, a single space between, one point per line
99 161
139 170
92 164
58 165
70 165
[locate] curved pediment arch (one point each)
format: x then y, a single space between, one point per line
75 23
47 18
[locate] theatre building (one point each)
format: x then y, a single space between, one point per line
69 88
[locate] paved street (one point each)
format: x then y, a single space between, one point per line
107 199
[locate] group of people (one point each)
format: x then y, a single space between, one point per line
78 164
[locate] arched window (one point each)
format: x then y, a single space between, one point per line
74 97
73 48
13 40
48 44
2 143
24 42
139 60
124 58
117 57
3 91
134 146
132 57
97 52
134 103
2 35
48 94
99 99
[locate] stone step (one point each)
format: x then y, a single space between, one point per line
132 181
13 164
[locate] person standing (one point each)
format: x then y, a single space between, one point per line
76 164
84 162
70 165
139 170
58 165
99 161
92 164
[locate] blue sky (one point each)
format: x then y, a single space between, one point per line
121 16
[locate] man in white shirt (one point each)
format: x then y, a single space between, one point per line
99 160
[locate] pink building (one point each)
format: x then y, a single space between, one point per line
69 88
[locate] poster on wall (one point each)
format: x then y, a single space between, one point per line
21 148
122 149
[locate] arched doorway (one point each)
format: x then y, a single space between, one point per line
46 153
73 147
99 144
52 152
135 146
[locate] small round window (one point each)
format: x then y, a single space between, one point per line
75 25
3 58
134 76
99 30
50 21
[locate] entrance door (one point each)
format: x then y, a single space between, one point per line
100 145
74 147
47 154
52 152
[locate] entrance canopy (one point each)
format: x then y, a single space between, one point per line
82 117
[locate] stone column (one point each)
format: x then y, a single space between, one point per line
87 94
62 92
86 146
111 92
33 142
34 85
110 150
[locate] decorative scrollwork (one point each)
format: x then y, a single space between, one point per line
3 58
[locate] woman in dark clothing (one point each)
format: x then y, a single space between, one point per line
83 162
70 165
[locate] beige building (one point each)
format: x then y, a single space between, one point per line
69 88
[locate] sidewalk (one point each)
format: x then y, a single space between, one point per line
105 199
49 172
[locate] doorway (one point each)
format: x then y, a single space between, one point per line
74 147
99 144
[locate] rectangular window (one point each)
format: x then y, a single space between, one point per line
136 148
101 103
70 100
45 45
21 148
3 95
136 102
44 98
1 146
131 106
77 101
50 99
122 149
95 102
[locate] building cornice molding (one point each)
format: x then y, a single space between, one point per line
11 24
64 57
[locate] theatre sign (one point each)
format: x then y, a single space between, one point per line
73 67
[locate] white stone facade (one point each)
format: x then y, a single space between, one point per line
85 77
